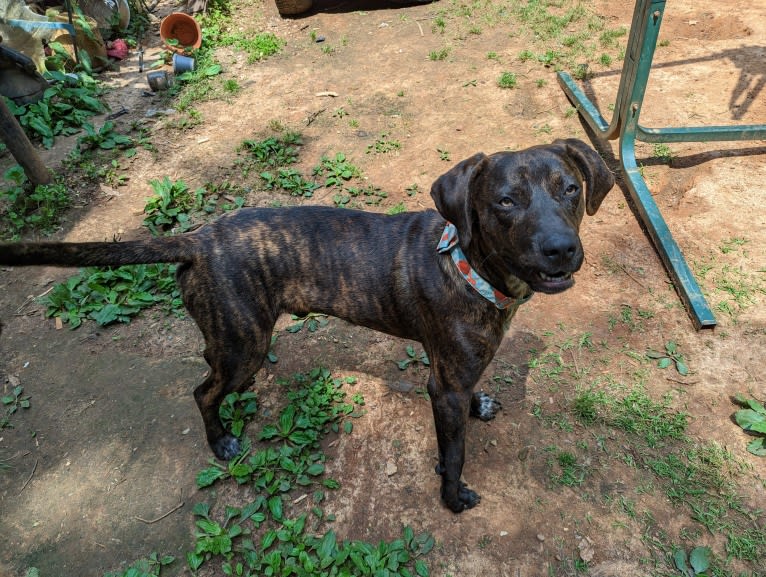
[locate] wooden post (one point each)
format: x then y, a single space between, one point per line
22 150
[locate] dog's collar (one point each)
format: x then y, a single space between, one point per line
449 243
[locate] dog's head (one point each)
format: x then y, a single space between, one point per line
519 212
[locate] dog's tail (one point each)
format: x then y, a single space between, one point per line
177 249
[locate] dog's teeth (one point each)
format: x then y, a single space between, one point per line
560 276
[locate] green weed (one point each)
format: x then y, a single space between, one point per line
398 208
28 207
752 419
104 138
13 402
170 209
369 195
507 80
696 563
113 295
383 145
150 566
311 322
289 180
262 537
413 358
236 410
663 152
670 356
273 151
108 295
64 109
336 170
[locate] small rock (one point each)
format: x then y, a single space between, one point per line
586 549
401 386
503 533
391 468
540 537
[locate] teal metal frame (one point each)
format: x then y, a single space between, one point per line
647 17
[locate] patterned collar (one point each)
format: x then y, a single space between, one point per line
449 243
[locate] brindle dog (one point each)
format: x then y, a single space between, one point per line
516 215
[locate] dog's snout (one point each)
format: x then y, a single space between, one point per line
559 248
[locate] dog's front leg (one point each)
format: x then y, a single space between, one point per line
450 410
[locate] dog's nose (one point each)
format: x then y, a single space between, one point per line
559 248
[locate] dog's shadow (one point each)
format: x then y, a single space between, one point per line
507 375
341 347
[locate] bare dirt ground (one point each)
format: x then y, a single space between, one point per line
112 440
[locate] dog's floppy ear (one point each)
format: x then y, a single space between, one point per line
597 176
452 194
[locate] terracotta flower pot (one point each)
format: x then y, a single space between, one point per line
182 28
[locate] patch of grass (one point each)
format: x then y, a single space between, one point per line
608 38
733 244
654 421
257 46
565 469
438 55
702 480
398 208
734 288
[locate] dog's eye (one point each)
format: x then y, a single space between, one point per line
506 201
571 190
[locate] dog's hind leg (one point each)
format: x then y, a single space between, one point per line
237 332
234 357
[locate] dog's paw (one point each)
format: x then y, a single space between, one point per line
463 499
457 496
226 448
469 498
484 407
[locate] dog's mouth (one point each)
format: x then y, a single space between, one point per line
552 283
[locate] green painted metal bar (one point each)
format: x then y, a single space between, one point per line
645 27
701 134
